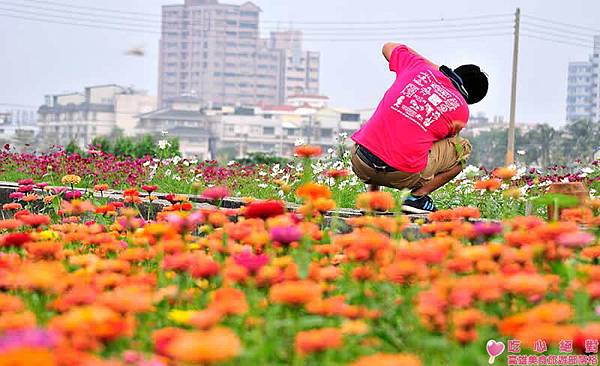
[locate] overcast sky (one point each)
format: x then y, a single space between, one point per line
38 58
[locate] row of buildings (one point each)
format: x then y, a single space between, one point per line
583 87
204 131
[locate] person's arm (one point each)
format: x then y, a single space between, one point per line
456 127
389 48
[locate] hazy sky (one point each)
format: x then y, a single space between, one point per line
39 58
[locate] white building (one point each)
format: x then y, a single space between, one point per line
583 87
182 118
17 128
232 132
81 117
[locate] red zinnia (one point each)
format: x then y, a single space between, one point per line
35 220
264 209
14 239
337 173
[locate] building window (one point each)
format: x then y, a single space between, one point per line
350 117
326 133
268 130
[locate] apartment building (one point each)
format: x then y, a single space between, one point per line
583 87
97 111
183 118
214 51
300 68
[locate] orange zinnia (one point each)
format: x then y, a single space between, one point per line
229 300
375 201
308 151
318 340
504 173
388 359
312 191
215 345
295 292
491 184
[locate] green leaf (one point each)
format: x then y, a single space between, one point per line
558 199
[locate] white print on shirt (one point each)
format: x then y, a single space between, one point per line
424 100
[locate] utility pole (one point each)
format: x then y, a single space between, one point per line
510 148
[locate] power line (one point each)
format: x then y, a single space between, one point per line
375 22
554 34
156 24
430 20
96 9
85 13
588 46
76 24
411 37
595 30
533 23
125 27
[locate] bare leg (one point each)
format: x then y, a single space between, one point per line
373 188
438 181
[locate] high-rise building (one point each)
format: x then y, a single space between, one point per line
583 87
214 52
300 68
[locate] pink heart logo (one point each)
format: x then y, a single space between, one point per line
494 349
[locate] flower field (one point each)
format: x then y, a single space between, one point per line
187 176
86 281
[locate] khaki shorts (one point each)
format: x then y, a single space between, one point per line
443 156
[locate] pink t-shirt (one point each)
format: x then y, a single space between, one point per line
416 111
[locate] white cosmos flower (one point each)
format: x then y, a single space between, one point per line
163 144
263 185
587 170
176 160
168 172
230 163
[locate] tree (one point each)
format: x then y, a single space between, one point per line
73 148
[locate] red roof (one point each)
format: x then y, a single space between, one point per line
311 96
283 108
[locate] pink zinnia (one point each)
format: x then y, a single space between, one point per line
252 262
16 195
149 189
26 188
215 193
286 235
72 195
26 182
577 239
487 228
